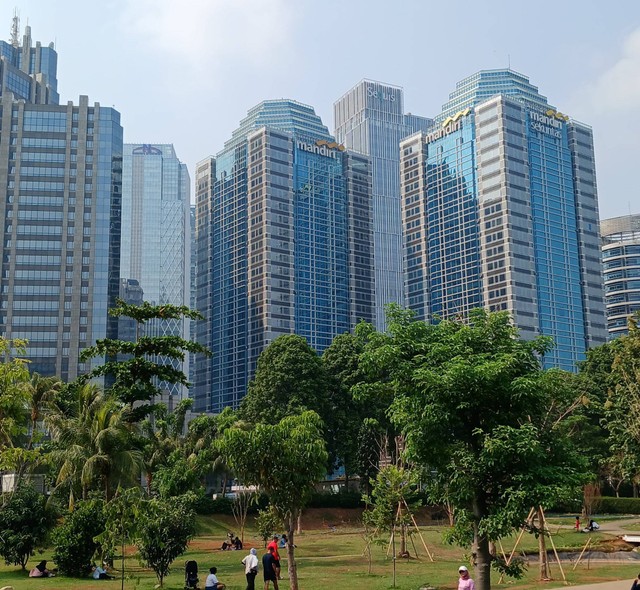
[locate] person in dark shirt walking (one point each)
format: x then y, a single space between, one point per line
269 569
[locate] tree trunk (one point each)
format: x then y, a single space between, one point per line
542 548
291 561
481 546
299 523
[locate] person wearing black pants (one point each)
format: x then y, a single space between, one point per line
250 563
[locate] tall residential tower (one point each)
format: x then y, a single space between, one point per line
500 210
283 227
370 119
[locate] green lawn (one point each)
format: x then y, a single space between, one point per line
333 560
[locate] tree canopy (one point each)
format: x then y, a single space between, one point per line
285 460
475 407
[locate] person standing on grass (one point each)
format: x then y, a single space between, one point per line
250 563
465 582
269 569
274 546
636 583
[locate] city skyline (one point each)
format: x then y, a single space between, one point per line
588 60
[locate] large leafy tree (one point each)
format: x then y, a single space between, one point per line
25 522
476 408
289 379
136 370
284 460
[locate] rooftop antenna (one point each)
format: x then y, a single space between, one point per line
509 60
15 29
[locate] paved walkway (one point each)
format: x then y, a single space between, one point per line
619 585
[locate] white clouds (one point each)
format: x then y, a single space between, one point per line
618 87
204 34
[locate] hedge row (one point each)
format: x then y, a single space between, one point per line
207 505
607 505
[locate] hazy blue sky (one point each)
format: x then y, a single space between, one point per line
186 71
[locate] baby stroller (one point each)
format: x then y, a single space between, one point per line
190 575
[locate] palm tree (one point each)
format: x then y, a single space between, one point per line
40 391
94 445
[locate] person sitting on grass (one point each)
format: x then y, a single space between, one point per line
41 571
211 582
99 573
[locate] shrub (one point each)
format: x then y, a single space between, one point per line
610 505
25 522
74 540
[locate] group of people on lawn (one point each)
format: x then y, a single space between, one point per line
270 566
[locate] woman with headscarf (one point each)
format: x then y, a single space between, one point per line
250 563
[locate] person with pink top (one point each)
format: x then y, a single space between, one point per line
465 582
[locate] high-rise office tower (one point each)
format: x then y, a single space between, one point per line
500 211
621 263
370 120
29 73
283 226
60 169
156 234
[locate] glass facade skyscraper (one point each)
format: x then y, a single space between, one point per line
61 168
499 206
29 73
621 263
61 173
370 119
284 244
156 230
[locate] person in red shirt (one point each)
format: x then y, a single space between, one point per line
273 547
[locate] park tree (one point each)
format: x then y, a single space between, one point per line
289 379
474 407
285 461
345 415
137 370
74 541
14 402
622 407
41 391
93 445
25 523
121 518
388 509
164 529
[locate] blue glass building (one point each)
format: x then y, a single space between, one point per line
61 173
370 119
156 234
500 210
283 239
28 72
